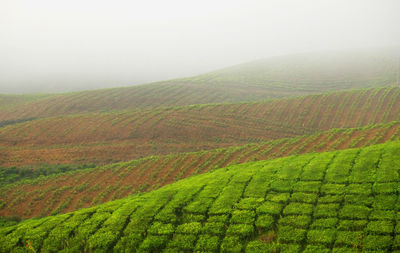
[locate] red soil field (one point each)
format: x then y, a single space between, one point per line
74 190
103 138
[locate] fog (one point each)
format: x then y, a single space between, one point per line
55 45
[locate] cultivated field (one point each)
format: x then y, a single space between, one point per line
277 77
102 138
290 154
345 201
62 192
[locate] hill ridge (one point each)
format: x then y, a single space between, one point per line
271 78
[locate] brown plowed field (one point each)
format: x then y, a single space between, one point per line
71 191
122 136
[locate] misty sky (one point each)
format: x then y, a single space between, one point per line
55 45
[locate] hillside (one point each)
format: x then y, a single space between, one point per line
277 77
344 200
84 188
121 136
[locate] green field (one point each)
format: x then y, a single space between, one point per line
276 77
342 201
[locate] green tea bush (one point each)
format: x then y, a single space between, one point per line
265 222
249 203
278 197
345 250
307 186
383 188
304 197
382 215
380 227
131 241
257 246
349 238
214 228
289 248
189 228
364 189
330 199
153 243
316 248
326 210
281 186
326 236
298 221
324 223
188 217
298 208
231 244
242 230
207 243
354 212
270 208
333 188
159 228
385 202
257 187
291 234
396 242
377 242
243 217
359 199
228 197
352 225
182 242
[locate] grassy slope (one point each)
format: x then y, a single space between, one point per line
272 78
71 191
13 100
107 137
341 200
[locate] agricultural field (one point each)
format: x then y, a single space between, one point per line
79 188
341 201
277 77
8 101
296 152
103 138
289 154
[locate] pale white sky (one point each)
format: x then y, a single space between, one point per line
54 45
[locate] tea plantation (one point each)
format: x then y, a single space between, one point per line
343 201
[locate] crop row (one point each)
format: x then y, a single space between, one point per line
249 82
131 135
345 201
225 121
89 187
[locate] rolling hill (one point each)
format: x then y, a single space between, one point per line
83 188
345 201
251 158
277 77
121 136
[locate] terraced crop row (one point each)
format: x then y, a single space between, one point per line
345 201
9 101
271 78
67 192
167 130
173 93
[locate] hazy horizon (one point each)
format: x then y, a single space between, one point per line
53 46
